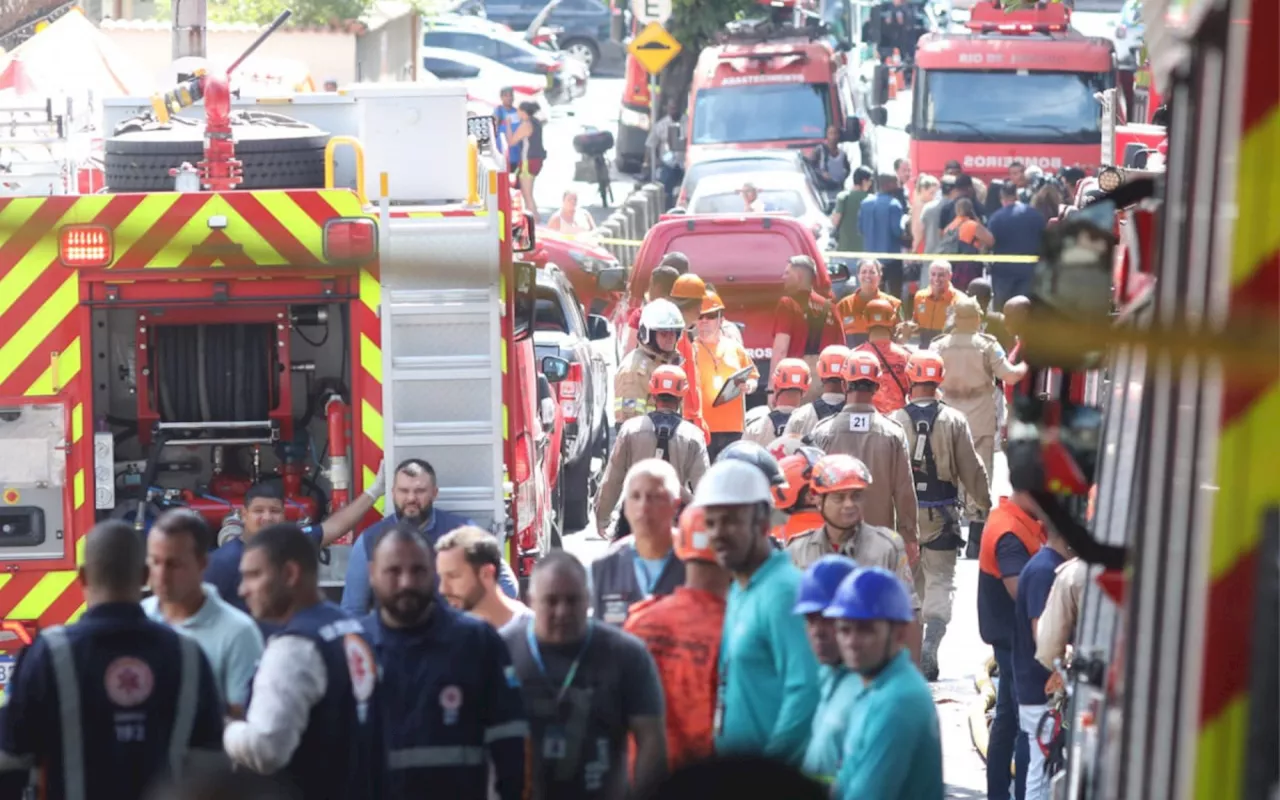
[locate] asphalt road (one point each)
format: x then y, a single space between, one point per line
963 653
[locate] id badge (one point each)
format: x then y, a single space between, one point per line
615 610
554 744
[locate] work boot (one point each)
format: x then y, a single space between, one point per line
974 546
934 630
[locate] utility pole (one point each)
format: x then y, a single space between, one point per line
189 28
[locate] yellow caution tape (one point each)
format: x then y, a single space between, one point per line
846 254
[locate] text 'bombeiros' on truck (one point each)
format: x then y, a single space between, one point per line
260 316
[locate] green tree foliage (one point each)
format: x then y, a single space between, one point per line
695 24
261 12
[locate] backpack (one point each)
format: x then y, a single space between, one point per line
951 243
664 425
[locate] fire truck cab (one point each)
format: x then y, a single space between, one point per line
171 348
1037 80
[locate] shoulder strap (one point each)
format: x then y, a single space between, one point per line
779 420
889 369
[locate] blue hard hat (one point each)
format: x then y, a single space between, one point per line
820 581
872 593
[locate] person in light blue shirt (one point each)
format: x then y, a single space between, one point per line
893 747
768 675
177 553
839 686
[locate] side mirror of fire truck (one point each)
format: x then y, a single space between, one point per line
523 300
556 369
1072 287
852 130
523 237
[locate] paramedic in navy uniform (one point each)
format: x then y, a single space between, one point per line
451 703
105 706
313 712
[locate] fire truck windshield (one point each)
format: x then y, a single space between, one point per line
769 113
1057 107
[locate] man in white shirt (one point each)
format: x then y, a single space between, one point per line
468 561
177 553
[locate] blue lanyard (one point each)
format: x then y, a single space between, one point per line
573 668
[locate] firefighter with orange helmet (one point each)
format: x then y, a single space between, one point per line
794 497
830 369
719 359
661 433
881 318
943 458
660 332
879 443
687 293
682 631
787 388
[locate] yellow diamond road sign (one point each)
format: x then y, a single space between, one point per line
654 48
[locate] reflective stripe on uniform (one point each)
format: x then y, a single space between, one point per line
630 404
64 674
517 729
414 757
184 721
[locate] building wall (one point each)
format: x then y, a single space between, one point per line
389 53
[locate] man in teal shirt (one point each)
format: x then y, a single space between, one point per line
768 675
893 748
838 687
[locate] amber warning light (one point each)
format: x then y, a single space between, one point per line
85 246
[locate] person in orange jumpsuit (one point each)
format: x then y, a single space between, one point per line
793 498
682 631
881 319
688 293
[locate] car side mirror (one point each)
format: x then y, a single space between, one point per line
879 115
547 414
909 128
880 85
597 327
838 270
612 279
555 368
523 238
852 130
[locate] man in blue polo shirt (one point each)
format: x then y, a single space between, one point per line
1017 228
413 494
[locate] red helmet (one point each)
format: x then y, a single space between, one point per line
839 473
879 314
925 366
831 362
797 468
792 373
670 380
691 540
861 366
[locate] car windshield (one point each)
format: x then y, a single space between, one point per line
702 169
769 113
1018 106
788 200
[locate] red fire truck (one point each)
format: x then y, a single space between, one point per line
169 348
1017 86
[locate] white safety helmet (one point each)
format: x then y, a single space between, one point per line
732 483
659 315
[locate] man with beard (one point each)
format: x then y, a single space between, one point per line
469 561
450 701
804 321
413 493
314 716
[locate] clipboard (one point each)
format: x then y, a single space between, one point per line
731 390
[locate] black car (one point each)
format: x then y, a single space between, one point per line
561 329
583 26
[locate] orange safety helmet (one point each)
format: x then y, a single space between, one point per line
879 314
691 540
831 362
689 287
792 373
861 366
711 303
839 473
668 379
925 366
797 468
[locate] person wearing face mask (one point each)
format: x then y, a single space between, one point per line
830 369
642 565
588 688
450 706
787 389
718 358
413 493
893 745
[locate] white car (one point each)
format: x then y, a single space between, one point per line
484 78
1127 33
783 191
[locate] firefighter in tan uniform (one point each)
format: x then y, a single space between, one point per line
974 361
840 485
879 443
942 459
826 405
788 385
661 326
661 433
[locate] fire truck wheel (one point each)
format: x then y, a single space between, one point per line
273 157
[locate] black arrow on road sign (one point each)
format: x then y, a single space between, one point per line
653 46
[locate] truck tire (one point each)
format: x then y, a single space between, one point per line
273 157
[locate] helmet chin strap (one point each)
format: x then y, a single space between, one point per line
822 505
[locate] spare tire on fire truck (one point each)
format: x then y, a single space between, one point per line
277 152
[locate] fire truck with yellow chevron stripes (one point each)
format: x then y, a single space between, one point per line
348 292
1175 672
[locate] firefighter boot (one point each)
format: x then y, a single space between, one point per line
934 630
974 546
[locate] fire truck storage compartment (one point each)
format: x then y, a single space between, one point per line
32 480
275 152
205 400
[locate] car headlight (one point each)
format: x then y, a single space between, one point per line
591 264
633 119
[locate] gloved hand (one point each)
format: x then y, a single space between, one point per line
379 487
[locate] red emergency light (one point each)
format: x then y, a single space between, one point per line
350 239
85 246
